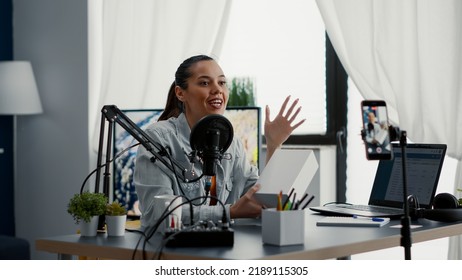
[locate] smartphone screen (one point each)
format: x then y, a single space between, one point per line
376 133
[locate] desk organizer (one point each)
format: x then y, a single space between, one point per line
283 228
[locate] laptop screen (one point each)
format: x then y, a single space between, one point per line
423 167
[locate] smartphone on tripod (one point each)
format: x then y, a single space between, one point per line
375 132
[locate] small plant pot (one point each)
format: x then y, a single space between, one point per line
90 228
116 225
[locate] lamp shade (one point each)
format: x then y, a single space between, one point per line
18 90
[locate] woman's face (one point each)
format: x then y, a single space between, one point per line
206 93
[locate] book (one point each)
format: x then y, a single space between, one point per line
352 221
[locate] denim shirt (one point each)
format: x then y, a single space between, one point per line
234 174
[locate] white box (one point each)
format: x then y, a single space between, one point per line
288 168
283 228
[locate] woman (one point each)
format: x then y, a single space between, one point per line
199 90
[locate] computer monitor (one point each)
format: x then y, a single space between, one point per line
246 126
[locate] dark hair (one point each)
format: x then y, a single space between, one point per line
174 107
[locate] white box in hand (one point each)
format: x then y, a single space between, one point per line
287 168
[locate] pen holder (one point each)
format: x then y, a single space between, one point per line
283 228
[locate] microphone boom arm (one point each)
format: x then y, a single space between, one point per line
113 115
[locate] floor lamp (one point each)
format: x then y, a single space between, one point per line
18 96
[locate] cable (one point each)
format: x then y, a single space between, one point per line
103 165
137 243
166 240
181 188
149 232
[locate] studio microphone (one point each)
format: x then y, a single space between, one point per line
211 152
210 138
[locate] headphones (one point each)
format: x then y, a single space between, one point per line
446 208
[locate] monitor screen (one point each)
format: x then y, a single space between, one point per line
246 126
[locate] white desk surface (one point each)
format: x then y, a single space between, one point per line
321 242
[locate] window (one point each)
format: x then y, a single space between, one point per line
281 45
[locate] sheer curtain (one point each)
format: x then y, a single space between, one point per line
408 53
135 47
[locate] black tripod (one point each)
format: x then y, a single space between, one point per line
406 241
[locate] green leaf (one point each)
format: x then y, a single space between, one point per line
241 92
86 205
115 209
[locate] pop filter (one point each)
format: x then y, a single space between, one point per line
210 138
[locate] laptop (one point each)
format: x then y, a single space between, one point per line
423 167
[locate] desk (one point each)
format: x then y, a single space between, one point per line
320 242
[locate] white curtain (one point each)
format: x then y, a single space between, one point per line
135 47
408 53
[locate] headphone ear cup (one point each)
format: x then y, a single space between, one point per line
444 209
441 215
445 201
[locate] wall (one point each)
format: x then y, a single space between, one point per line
6 130
52 148
6 176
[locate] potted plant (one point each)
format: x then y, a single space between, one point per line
86 207
241 92
116 217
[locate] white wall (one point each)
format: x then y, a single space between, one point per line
52 148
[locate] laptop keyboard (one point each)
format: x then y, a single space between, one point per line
370 208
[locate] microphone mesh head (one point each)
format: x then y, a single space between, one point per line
200 133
